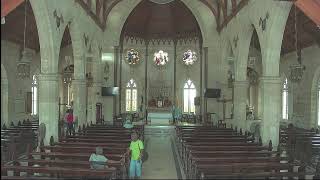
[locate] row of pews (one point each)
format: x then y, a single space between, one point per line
18 139
301 144
69 158
208 152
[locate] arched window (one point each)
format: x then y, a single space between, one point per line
285 107
189 93
131 96
319 102
34 91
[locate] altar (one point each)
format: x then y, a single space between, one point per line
159 116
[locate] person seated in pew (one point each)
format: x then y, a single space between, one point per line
99 161
128 124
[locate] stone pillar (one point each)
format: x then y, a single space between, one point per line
94 92
4 102
48 105
271 113
79 102
240 98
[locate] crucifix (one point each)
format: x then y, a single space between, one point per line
224 101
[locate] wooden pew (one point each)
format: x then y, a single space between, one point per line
60 172
203 156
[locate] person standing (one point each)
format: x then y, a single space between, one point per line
136 149
69 120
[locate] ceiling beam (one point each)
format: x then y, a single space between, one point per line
94 17
224 8
311 8
315 36
9 5
241 4
234 5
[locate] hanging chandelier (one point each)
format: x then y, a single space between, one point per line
296 70
23 66
68 71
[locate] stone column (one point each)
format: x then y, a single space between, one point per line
240 98
48 105
271 113
4 102
79 102
94 92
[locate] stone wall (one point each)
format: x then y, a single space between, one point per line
302 113
17 88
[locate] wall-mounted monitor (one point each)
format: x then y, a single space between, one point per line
109 91
212 93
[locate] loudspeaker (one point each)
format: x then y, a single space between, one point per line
212 93
197 101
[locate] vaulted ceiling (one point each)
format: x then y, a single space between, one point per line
148 20
152 20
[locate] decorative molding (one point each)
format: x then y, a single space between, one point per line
263 22
59 19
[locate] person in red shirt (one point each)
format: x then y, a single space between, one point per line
69 118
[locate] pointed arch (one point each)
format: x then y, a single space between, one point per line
189 93
131 96
4 97
315 99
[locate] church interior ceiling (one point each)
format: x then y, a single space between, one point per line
178 21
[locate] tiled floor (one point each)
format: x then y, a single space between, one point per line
161 163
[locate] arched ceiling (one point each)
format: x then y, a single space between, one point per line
170 20
99 10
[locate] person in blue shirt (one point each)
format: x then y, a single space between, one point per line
176 113
99 161
128 124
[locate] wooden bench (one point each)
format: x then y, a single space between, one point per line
203 155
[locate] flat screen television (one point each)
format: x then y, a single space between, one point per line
212 93
109 91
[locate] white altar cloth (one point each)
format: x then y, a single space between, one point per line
162 118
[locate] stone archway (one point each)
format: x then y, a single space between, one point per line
4 97
122 10
314 99
48 79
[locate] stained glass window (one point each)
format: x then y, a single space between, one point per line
161 58
189 57
131 96
189 93
34 92
285 100
132 56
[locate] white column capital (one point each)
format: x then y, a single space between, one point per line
270 79
48 77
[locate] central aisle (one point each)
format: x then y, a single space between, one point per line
161 163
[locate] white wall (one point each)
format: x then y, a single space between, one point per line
154 74
17 88
301 91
